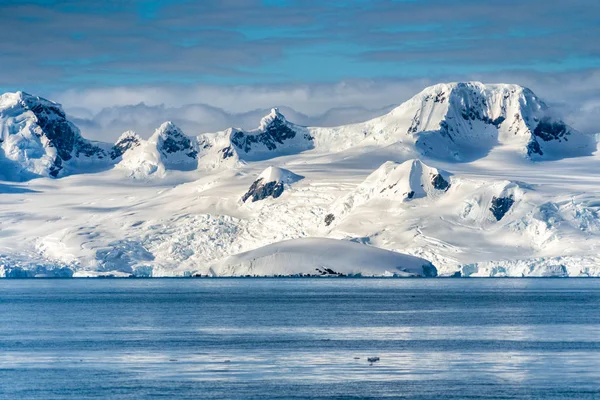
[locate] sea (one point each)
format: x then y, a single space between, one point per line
327 338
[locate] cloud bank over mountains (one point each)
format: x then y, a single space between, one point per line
104 113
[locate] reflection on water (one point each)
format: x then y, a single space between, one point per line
237 338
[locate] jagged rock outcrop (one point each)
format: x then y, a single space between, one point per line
168 148
270 183
489 202
275 136
501 205
173 145
128 140
37 139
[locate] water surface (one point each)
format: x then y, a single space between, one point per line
300 338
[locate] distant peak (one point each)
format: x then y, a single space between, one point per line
273 116
11 99
168 128
276 174
167 125
20 95
271 183
477 86
128 135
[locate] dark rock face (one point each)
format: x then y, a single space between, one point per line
260 190
440 183
548 130
55 126
56 167
60 132
501 205
276 132
175 141
124 144
227 152
534 148
328 272
87 149
329 219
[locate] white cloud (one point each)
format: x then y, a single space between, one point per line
103 113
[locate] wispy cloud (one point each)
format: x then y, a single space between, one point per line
104 113
60 44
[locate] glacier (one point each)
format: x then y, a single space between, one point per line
468 179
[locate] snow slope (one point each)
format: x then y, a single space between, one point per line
401 182
313 257
480 180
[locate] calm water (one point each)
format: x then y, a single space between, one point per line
300 338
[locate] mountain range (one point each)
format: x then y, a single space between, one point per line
463 179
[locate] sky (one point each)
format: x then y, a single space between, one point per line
328 61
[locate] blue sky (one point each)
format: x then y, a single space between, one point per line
240 55
63 44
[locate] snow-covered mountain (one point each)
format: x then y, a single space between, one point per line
167 148
128 140
274 137
400 182
270 183
478 180
37 139
464 122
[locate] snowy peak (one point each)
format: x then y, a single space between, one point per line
473 117
38 139
461 122
128 140
38 105
173 145
274 137
170 139
274 117
168 148
464 122
402 182
167 128
409 180
279 175
270 183
488 103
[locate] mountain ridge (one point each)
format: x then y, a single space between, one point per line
442 122
452 176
